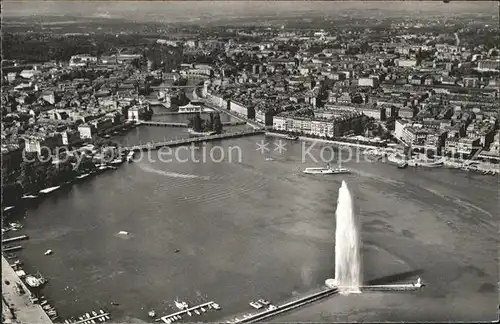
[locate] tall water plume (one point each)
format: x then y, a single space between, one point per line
348 268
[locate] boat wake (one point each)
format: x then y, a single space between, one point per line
173 174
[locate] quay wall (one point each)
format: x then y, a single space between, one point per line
24 309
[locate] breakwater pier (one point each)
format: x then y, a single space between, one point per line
188 311
17 238
272 310
185 141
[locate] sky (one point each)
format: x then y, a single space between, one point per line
179 10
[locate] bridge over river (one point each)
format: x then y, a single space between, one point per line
158 145
172 124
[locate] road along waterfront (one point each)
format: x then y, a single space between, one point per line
234 250
24 310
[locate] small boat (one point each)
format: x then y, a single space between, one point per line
256 305
216 306
180 305
101 311
49 190
15 226
326 170
168 321
203 310
48 252
291 137
152 313
115 304
88 315
29 197
130 156
94 313
83 176
197 312
402 165
8 208
107 317
189 313
123 233
269 159
117 161
34 282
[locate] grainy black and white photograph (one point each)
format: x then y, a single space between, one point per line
250 161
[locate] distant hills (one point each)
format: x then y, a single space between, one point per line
186 11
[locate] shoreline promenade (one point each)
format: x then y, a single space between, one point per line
24 311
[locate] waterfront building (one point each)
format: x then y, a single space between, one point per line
264 117
323 128
399 127
35 143
467 145
279 123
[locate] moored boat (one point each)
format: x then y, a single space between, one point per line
402 165
130 156
49 190
29 197
116 161
426 164
83 176
34 282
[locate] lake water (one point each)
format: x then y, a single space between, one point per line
253 229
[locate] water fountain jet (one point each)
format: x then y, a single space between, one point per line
348 267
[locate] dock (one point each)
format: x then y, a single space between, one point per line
400 287
168 318
17 238
276 310
12 248
93 317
